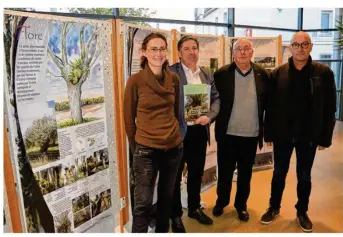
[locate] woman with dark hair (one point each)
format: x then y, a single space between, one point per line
151 114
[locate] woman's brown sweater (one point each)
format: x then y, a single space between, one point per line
151 110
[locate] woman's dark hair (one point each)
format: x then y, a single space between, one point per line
186 38
146 40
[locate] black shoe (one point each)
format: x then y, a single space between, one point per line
200 216
243 215
177 225
217 210
304 222
269 216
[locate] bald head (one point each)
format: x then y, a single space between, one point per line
301 34
301 47
242 53
242 41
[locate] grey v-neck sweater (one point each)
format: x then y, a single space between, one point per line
244 116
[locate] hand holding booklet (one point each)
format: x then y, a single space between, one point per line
196 101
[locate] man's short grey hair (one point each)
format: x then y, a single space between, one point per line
240 39
303 32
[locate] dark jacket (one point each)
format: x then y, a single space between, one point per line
225 82
321 106
206 77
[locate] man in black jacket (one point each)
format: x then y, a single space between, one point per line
301 115
242 87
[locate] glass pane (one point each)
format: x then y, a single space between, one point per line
269 17
137 12
185 28
320 18
324 45
189 14
325 20
286 36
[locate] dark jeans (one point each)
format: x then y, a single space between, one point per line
305 153
146 163
234 150
194 154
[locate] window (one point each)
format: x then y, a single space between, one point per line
320 18
269 17
326 23
216 29
325 56
195 13
225 19
326 19
286 36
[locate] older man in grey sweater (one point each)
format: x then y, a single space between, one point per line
242 87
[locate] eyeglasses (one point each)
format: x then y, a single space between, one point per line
245 49
155 50
303 45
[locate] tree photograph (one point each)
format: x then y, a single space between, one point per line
82 216
50 179
63 223
74 169
75 69
98 161
101 202
80 202
39 133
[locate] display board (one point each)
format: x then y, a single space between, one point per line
210 53
286 53
7 225
133 38
266 51
59 111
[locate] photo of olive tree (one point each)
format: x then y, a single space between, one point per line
75 70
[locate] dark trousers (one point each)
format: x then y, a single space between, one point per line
233 150
146 163
194 154
305 153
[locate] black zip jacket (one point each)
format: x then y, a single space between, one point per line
301 104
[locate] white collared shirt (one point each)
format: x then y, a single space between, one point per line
192 78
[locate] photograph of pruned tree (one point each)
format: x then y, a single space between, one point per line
82 216
63 222
40 133
74 169
97 161
195 106
265 62
80 202
50 179
101 202
75 72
